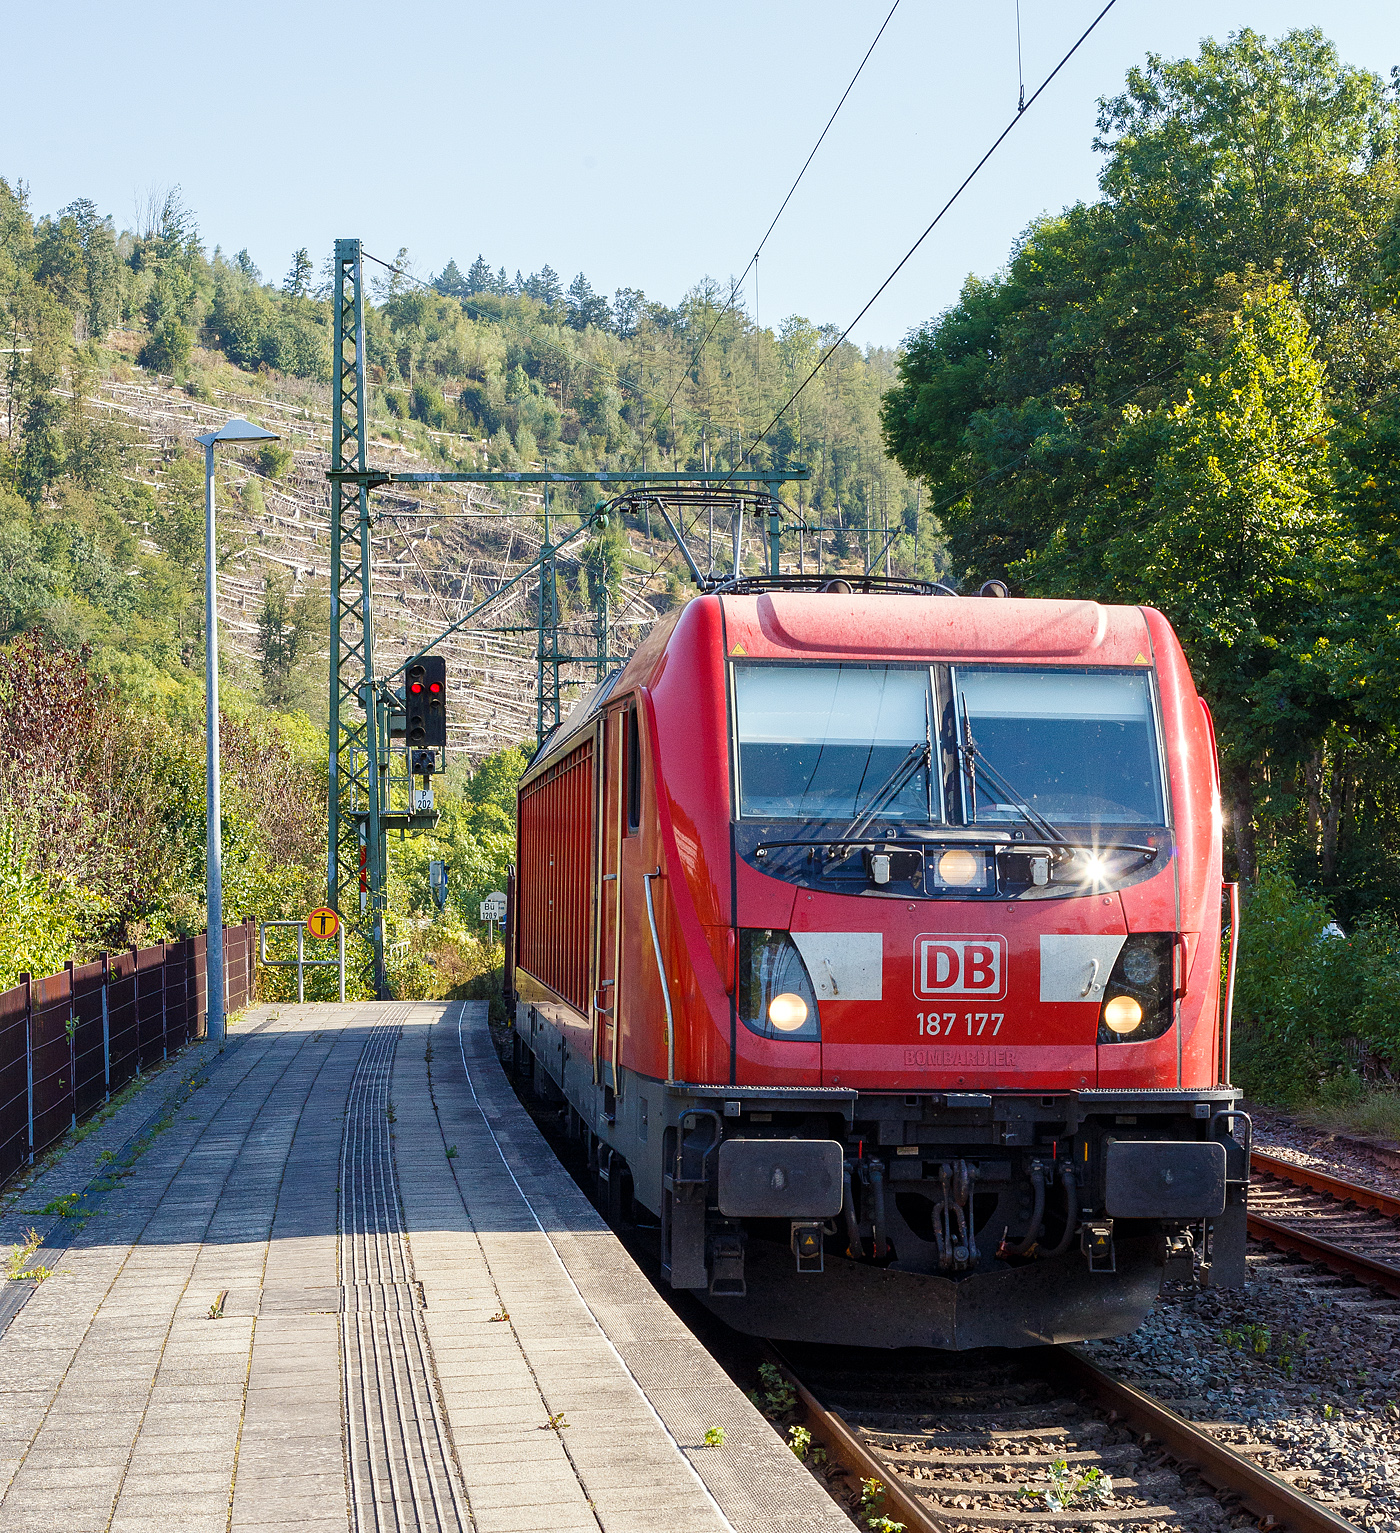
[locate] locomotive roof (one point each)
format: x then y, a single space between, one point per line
798 625
792 624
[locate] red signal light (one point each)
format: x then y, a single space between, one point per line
433 687
416 687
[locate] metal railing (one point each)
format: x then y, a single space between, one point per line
69 1042
301 963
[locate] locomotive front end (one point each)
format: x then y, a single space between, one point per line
976 1092
871 941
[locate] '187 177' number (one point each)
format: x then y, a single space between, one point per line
941 1024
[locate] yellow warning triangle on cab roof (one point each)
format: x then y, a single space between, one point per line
738 650
1141 659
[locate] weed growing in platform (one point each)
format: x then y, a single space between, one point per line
389 1112
65 1205
714 1437
20 1254
501 1314
556 1421
452 1152
216 1309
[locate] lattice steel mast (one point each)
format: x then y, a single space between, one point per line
361 703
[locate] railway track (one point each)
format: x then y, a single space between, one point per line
1354 1230
974 1442
967 1442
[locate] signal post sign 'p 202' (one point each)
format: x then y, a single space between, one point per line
951 964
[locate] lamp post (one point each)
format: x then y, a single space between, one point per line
240 431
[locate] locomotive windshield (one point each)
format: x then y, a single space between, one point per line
1075 747
822 741
828 742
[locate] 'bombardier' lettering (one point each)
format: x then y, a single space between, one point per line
959 966
961 1059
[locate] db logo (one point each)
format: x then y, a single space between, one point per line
966 966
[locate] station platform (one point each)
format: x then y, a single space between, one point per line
334 1277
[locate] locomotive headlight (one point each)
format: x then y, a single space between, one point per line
959 867
775 995
787 1012
1122 1015
1139 1002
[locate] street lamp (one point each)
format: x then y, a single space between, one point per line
240 431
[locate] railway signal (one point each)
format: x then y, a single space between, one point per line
425 702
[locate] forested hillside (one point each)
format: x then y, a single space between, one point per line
120 346
1187 393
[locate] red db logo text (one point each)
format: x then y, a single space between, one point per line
957 965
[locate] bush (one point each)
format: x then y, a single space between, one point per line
168 349
1315 1014
274 459
427 405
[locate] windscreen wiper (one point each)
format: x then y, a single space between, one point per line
886 793
974 759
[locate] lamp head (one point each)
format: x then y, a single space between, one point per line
237 430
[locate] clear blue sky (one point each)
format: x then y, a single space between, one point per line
647 145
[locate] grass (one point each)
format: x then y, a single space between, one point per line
1348 1105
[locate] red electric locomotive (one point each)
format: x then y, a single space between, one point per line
872 938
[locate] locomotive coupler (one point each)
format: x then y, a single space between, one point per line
955 1250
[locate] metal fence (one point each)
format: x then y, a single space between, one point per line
69 1041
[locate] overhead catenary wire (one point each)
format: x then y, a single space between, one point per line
933 224
738 281
967 180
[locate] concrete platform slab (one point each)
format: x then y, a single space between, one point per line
358 1375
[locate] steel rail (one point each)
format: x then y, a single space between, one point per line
1319 1181
843 1447
1262 1493
1289 1237
1364 1268
1219 1465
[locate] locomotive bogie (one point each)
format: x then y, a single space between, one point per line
875 941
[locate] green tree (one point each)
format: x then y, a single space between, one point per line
297 283
1218 510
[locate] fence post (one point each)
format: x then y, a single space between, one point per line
164 1015
136 1007
28 982
340 943
72 1031
106 1033
301 953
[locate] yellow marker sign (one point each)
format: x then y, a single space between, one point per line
1141 659
323 923
738 650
